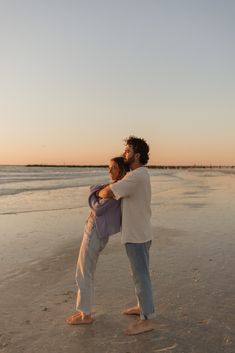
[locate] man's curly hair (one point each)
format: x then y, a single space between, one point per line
139 146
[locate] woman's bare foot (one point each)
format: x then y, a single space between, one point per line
135 310
139 326
79 318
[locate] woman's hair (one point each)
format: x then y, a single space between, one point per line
124 168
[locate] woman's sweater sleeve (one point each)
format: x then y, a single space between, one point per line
99 206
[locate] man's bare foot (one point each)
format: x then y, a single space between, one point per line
135 310
139 326
79 318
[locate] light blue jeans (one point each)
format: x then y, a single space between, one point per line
89 253
138 254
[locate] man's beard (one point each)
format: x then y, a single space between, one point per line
129 161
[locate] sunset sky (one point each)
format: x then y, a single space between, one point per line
78 76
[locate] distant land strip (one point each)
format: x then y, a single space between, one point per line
149 166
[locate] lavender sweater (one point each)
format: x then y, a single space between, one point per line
106 213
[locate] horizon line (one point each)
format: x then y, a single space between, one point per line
153 166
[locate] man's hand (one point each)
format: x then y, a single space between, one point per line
106 193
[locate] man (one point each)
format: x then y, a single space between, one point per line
135 191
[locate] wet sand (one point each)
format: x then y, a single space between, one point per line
192 268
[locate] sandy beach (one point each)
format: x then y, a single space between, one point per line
192 268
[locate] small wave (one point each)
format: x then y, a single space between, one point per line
18 180
41 188
8 192
42 210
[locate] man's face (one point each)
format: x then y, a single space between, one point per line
129 155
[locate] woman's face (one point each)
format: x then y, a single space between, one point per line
114 171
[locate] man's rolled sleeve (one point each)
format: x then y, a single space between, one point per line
124 187
115 192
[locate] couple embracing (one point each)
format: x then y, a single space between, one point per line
123 205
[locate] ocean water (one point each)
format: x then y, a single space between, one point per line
33 189
43 209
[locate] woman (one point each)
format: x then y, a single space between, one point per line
103 221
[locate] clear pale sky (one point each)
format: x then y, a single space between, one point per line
76 77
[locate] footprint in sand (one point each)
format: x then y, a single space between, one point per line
68 292
4 341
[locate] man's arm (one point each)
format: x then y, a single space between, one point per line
106 193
